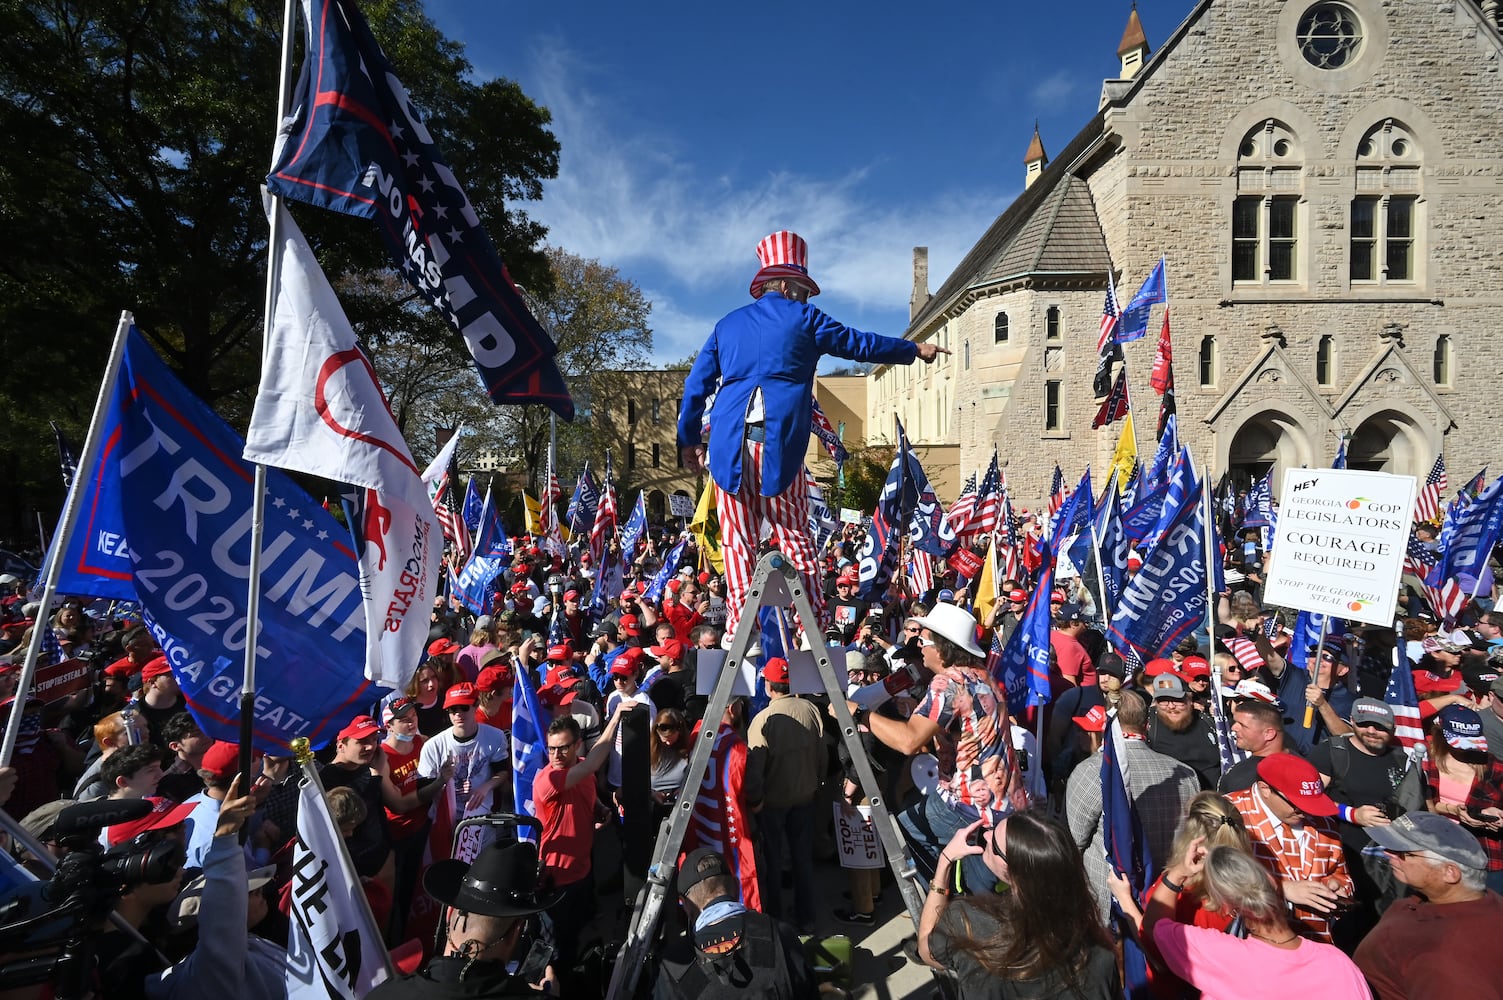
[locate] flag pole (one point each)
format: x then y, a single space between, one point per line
64 535
258 501
1106 604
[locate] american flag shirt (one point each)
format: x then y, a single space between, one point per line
979 773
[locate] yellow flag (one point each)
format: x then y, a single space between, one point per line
986 584
534 511
1126 455
706 527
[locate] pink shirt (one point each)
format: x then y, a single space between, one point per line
1222 966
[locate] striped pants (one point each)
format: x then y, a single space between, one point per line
742 515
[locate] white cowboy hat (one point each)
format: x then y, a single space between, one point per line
955 624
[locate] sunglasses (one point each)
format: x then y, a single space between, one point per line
670 727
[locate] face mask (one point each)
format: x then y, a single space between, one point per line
402 737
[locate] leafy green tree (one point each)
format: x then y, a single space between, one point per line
139 135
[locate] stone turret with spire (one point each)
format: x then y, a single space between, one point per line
1035 160
1133 49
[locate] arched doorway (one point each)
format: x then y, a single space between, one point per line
1389 441
1271 439
657 506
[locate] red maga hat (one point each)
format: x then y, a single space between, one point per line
776 670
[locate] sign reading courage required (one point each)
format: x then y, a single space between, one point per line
1339 543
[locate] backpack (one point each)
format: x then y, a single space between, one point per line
1407 796
757 967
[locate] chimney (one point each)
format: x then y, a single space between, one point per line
920 297
1133 49
1035 160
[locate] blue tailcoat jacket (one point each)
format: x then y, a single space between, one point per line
774 343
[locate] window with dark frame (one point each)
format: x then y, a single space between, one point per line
1054 419
999 329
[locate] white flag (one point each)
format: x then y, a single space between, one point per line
320 411
440 463
334 950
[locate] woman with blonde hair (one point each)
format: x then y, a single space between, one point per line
1273 960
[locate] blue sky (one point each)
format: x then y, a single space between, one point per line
690 131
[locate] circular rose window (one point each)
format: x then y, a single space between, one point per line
1330 36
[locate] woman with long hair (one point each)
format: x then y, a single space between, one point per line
1272 960
427 689
1041 937
668 753
1464 782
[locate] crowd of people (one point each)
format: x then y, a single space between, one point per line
1316 848
1290 837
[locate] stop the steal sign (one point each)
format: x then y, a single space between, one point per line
1339 543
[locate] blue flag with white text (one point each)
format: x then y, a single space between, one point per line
354 144
1467 537
636 526
1133 322
1167 599
474 584
170 478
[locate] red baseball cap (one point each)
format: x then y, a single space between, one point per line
164 814
1093 721
629 625
442 647
628 594
562 651
673 585
493 678
847 576
1017 596
156 667
122 667
361 727
520 587
626 663
459 694
1058 597
223 759
558 673
1297 780
704 578
571 595
1162 665
1194 666
776 670
671 648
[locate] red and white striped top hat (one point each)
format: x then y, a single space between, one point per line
784 254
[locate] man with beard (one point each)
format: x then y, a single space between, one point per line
1181 731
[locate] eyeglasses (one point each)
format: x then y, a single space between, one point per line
565 748
618 678
460 708
913 629
670 727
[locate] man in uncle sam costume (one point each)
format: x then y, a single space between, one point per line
759 363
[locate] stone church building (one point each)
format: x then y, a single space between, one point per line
1325 182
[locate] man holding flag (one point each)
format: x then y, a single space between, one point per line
762 358
563 793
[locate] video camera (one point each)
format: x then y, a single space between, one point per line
61 917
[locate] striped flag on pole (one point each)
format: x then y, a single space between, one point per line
1402 698
605 516
1427 503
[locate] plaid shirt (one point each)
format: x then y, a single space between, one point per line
1487 793
1312 851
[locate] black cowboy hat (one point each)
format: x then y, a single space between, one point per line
501 882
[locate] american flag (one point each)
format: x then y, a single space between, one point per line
1427 504
1009 553
920 573
1405 704
605 516
982 509
1447 598
354 145
960 511
448 517
1244 652
1108 350
1056 491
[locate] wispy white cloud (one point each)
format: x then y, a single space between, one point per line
641 203
1055 91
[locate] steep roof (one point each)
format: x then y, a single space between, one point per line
1035 148
1026 231
1132 36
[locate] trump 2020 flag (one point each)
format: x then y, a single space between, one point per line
354 144
492 555
1167 599
529 729
1467 539
636 526
334 948
320 411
